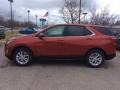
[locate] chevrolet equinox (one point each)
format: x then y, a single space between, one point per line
63 41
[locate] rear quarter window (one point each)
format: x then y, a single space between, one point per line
104 30
116 31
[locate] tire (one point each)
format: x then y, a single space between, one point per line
22 57
95 59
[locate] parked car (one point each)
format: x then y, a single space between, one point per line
2 33
118 41
116 32
28 31
63 41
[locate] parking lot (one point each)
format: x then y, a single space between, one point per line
59 75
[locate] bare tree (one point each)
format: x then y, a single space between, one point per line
2 20
117 21
6 23
102 17
70 11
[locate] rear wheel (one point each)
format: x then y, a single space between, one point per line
22 57
95 58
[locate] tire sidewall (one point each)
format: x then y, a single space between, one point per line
95 51
26 50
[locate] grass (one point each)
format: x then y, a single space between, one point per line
8 35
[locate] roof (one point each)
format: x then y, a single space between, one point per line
80 25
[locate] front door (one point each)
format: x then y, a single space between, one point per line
52 42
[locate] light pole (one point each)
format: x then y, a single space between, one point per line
85 16
28 17
80 2
11 1
36 20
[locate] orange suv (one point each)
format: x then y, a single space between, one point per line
63 41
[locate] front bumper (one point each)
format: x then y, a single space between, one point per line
7 51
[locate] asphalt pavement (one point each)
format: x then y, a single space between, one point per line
59 75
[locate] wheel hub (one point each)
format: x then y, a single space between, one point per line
22 57
95 59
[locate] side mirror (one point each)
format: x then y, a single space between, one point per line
41 35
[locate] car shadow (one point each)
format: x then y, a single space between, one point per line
63 62
59 62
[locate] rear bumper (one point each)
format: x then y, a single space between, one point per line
110 57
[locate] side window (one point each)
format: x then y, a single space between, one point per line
56 31
77 31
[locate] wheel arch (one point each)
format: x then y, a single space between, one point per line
99 49
21 46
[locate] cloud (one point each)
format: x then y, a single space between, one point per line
39 7
36 4
20 7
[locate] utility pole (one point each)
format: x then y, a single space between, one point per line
36 20
80 2
28 17
11 1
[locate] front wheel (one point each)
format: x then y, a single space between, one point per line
22 57
95 58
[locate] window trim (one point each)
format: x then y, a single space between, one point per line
65 27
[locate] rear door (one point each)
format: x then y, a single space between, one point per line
77 40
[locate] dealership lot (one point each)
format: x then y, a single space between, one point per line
59 75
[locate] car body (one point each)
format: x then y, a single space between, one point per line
28 31
63 41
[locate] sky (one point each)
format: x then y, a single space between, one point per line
40 7
113 5
37 7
